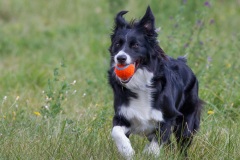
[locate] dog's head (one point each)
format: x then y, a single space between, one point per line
134 42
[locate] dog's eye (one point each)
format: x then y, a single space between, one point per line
135 45
117 44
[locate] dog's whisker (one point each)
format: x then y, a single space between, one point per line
158 29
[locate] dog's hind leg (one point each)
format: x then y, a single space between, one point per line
184 133
186 126
165 132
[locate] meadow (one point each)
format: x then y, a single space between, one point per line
55 102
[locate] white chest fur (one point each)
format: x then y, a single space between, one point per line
140 113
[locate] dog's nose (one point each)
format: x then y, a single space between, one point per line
122 58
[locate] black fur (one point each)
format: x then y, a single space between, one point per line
176 86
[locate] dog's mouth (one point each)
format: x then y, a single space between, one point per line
124 66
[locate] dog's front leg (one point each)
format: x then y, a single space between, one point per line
122 141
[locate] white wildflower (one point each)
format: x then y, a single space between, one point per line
17 98
46 107
74 82
74 91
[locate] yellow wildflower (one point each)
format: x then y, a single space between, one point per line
210 112
37 113
14 115
228 65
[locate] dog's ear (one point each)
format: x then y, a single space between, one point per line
120 21
147 23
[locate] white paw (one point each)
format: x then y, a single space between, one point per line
152 148
122 142
127 152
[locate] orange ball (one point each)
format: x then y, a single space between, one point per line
125 72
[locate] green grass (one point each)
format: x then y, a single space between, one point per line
38 36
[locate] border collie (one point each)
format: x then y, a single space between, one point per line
162 95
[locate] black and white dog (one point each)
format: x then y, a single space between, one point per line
162 95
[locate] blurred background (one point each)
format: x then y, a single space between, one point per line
54 60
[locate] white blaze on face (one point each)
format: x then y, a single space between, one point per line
128 61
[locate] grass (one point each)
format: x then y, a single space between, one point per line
38 36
